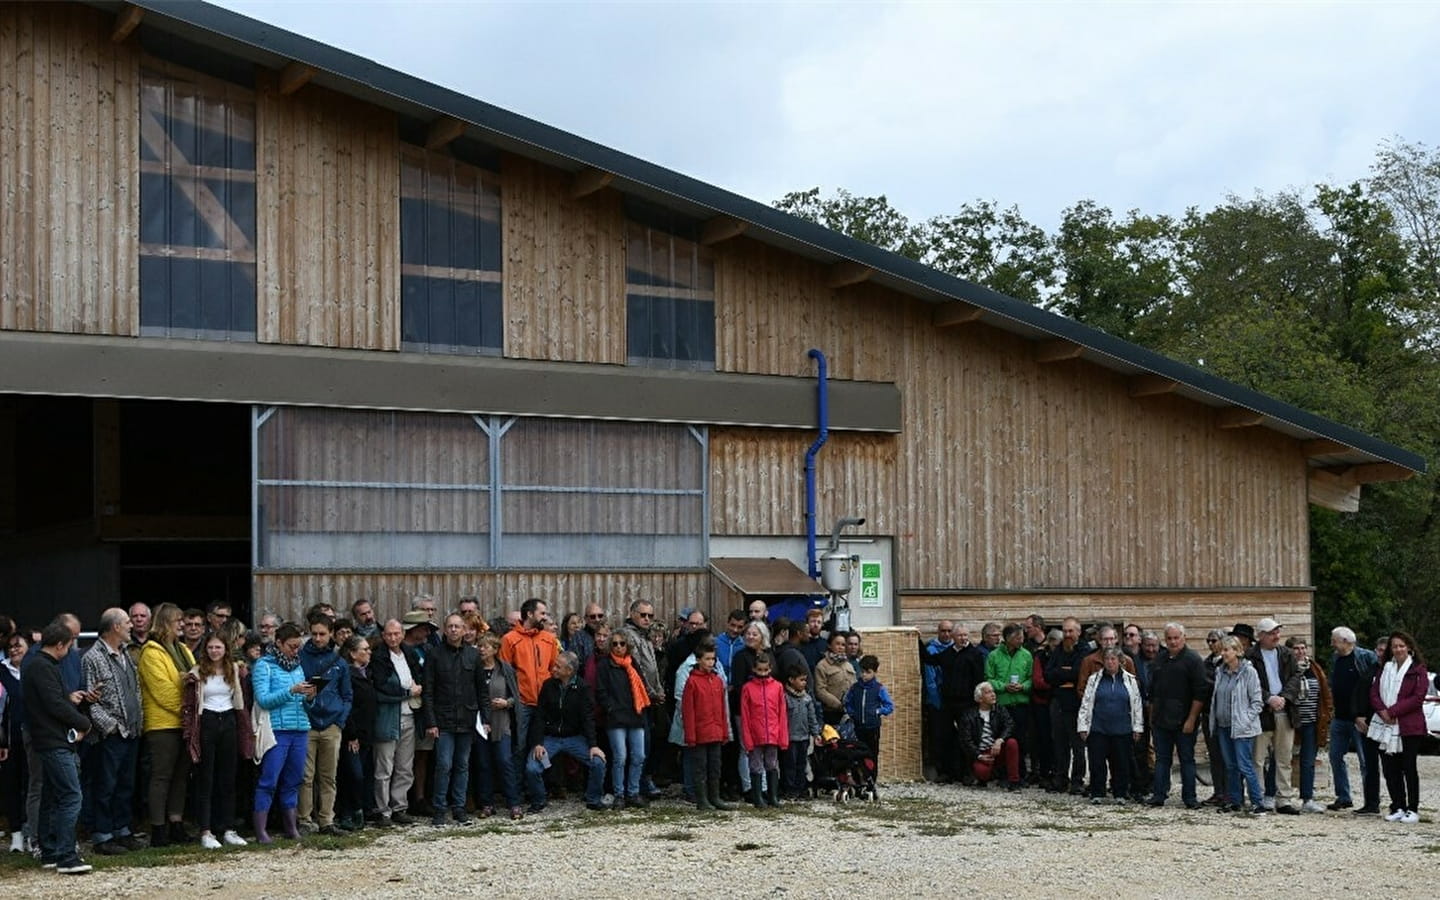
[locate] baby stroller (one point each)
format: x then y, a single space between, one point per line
844 766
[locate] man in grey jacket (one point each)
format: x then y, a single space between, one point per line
642 614
110 753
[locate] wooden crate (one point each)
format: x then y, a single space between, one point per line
901 737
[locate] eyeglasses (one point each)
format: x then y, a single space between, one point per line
649 615
594 615
615 643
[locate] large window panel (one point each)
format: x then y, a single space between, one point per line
197 207
450 255
669 300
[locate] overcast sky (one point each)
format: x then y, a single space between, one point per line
1150 106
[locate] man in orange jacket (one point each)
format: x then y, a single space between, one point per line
531 651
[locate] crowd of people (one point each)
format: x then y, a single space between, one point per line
1044 707
182 725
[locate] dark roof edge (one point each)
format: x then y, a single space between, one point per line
487 116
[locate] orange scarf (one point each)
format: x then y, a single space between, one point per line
637 684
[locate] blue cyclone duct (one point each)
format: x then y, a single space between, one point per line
823 401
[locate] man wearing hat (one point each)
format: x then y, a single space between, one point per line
1275 665
421 633
1246 634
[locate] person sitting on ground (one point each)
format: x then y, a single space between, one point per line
987 741
1109 721
564 725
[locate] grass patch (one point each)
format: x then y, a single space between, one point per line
676 834
747 846
940 829
192 852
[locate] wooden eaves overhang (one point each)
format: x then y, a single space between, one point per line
1340 458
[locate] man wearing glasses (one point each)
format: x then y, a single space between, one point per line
584 640
217 614
637 629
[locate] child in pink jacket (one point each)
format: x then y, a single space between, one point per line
764 729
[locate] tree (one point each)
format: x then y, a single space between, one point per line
869 219
1116 275
995 247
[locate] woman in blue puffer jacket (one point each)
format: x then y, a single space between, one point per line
281 693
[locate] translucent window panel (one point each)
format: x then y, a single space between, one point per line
670 300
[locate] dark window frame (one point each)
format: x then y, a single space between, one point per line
669 300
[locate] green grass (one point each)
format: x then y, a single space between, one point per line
677 834
192 852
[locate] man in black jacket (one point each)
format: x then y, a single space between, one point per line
57 726
452 703
564 725
1062 673
1178 689
961 666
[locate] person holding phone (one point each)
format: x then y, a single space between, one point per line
281 694
113 681
56 726
328 709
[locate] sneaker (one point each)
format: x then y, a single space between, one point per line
1339 805
1287 810
438 820
1192 804
1395 816
536 808
516 813
111 847
130 842
461 816
1256 811
17 843
1311 806
1411 817
403 818
1096 801
383 822
1268 804
596 807
207 840
234 840
1367 811
639 801
1155 801
331 830
73 866
48 865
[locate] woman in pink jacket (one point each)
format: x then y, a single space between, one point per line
764 729
1398 695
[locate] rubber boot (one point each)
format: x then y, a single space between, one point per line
290 818
754 793
713 788
159 836
772 787
261 835
699 777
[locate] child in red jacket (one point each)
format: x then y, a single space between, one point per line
705 712
764 729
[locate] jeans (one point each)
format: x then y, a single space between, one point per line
576 748
627 760
215 774
114 769
1239 754
354 777
59 804
1112 753
1344 737
1218 775
1305 737
1168 740
519 737
281 771
495 772
452 770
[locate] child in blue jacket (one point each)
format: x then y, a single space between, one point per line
865 702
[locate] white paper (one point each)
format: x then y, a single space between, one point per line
482 729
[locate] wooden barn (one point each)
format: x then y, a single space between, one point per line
279 325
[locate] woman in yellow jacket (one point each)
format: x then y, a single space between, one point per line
164 660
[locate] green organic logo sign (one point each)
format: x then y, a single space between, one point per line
870 570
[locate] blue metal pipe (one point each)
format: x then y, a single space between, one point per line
823 401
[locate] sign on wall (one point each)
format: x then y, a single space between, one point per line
870 583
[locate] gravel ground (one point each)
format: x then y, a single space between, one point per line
919 840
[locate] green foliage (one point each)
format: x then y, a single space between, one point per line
1328 300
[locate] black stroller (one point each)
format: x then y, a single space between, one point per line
844 766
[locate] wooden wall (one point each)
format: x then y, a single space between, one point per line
1010 473
1197 611
328 201
69 172
289 595
564 267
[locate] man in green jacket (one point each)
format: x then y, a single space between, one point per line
1010 668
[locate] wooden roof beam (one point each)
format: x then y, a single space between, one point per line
442 131
845 273
1371 473
1322 447
126 21
1331 492
721 228
959 312
1238 417
1057 351
295 76
589 181
1149 385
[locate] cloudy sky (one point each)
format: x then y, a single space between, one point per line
1150 106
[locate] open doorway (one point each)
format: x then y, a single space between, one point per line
107 502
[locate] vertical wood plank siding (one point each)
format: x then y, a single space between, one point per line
1008 474
564 592
564 281
328 200
69 172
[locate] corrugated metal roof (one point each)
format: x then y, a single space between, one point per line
274 48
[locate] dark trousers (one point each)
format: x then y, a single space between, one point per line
1218 775
452 770
215 773
705 762
14 782
870 737
792 767
1112 753
949 762
1065 743
1167 741
496 772
1372 772
1402 778
354 780
112 769
1020 713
